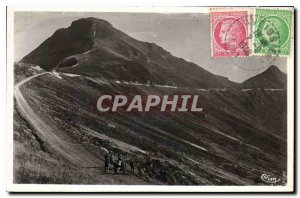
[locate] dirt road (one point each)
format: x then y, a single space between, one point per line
56 142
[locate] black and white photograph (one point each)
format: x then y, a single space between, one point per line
198 99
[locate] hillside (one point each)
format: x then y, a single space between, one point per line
232 142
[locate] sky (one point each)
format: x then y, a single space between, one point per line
185 35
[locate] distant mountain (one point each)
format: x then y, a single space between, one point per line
93 47
271 78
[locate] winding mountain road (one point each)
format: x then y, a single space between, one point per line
56 142
75 153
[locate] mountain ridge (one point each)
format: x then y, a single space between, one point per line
272 77
86 34
93 47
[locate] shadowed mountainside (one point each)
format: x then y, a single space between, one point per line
94 47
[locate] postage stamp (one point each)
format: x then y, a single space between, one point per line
229 34
272 34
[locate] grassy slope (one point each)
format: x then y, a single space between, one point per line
69 105
34 163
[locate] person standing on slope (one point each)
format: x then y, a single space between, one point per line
106 163
131 166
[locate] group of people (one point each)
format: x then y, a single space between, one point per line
117 162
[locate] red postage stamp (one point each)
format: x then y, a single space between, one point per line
229 34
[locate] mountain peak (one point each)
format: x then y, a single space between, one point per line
270 78
91 21
273 69
92 27
83 35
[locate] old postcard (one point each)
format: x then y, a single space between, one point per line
178 99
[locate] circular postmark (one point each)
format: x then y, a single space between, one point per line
269 38
272 33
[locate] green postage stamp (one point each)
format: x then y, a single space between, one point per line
273 32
